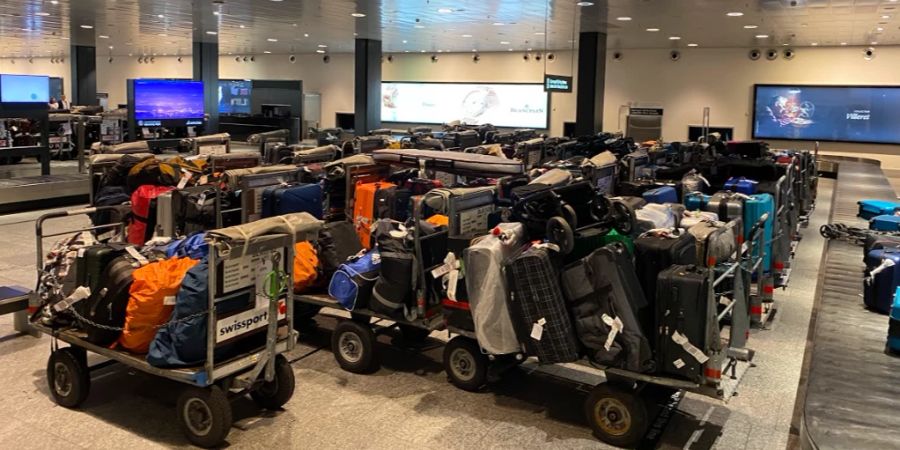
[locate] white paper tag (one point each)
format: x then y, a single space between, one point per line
169 300
616 326
441 270
201 200
683 341
81 252
678 363
137 256
537 330
80 293
452 280
185 177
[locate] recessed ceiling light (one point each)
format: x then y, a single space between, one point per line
674 38
305 34
358 15
162 34
874 42
421 51
216 13
623 19
103 36
585 3
323 46
161 16
735 14
242 26
440 51
885 16
653 30
762 36
474 50
320 51
54 2
212 33
267 52
445 10
467 35
404 41
815 44
843 43
405 51
509 50
418 26
498 24
504 42
751 27
42 14
272 39
692 45
87 27
879 29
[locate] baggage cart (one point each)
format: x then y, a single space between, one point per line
203 409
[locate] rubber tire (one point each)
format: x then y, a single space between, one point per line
625 218
560 233
219 408
630 403
480 364
276 393
80 377
568 213
366 362
414 335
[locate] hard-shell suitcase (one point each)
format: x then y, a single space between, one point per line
164 210
665 194
754 208
195 209
741 185
885 223
279 200
107 305
468 209
727 205
682 296
538 309
692 218
653 254
893 340
716 241
91 262
604 296
882 279
869 209
696 201
748 149
875 241
487 288
364 209
142 223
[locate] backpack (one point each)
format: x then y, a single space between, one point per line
118 174
152 171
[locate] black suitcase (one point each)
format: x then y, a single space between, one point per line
106 306
538 309
195 209
876 241
652 255
91 263
681 314
337 242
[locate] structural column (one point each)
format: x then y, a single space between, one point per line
206 69
367 92
591 82
83 61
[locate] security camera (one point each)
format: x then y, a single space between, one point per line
30 60
110 60
246 59
390 58
537 57
152 59
140 60
551 57
252 59
326 59
476 57
674 55
525 57
292 59
869 54
789 54
434 58
771 55
754 54
617 56
237 59
180 59
62 60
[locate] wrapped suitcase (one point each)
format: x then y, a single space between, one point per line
537 307
885 223
692 218
682 296
716 241
882 279
655 253
486 285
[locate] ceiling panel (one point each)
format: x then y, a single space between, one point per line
120 27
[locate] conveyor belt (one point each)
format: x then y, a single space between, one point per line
853 391
29 193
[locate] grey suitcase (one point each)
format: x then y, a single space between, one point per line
728 205
468 209
165 215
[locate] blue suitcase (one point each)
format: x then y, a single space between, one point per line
882 279
869 209
885 223
278 200
893 340
665 194
754 208
696 201
741 185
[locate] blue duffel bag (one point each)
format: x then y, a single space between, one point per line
351 285
741 185
664 194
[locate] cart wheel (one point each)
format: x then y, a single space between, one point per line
353 345
568 213
625 217
616 416
204 415
560 233
466 366
68 377
274 394
413 334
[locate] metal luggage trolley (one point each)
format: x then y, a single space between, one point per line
617 408
203 409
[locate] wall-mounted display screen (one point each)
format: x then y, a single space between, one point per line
24 89
503 105
234 96
168 99
865 114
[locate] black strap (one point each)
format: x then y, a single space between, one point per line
723 209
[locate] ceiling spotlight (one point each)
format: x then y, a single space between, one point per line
323 46
180 59
623 19
418 26
87 27
237 59
498 24
540 33
405 41
504 42
843 43
653 30
242 26
267 52
735 14
751 27
153 59
815 44
465 36
54 2
42 14
445 10
885 16
216 13
358 15
246 59
762 36
103 36
160 16
305 34
320 51
585 4
674 38
212 33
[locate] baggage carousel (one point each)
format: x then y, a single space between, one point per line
852 396
44 191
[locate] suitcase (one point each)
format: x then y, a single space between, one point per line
692 218
885 223
142 222
279 200
682 296
727 205
893 340
882 279
393 203
665 194
655 216
107 305
652 255
468 209
604 308
876 241
693 182
163 209
869 209
748 149
538 309
194 209
741 185
90 264
364 209
715 241
754 208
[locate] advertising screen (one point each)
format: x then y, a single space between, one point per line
24 89
827 113
168 99
503 105
234 96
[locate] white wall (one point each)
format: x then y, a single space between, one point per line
40 66
723 79
111 76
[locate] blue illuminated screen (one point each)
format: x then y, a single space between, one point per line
168 99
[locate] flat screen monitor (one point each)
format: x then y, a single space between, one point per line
345 121
695 132
234 97
56 87
168 99
504 105
866 114
24 89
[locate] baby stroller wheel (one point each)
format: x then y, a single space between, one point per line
624 216
560 233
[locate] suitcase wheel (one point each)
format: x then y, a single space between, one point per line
624 217
616 415
560 233
465 364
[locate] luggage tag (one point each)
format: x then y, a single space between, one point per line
537 330
141 260
885 263
616 325
169 300
185 177
450 263
80 293
683 341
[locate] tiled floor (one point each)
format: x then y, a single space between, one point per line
406 404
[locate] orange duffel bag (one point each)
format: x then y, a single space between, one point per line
151 301
306 266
